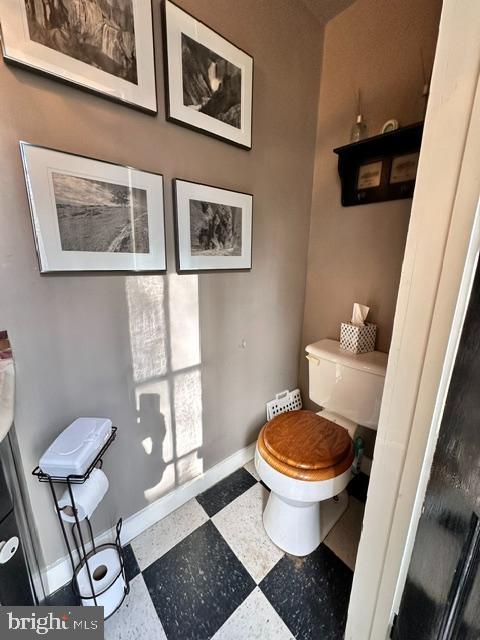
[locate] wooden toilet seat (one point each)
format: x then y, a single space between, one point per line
303 445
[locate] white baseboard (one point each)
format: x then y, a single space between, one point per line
59 573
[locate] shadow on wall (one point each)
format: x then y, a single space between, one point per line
166 365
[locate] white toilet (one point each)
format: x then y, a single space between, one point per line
305 458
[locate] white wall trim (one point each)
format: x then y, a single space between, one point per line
441 224
59 573
452 349
456 262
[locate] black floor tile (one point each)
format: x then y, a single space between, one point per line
358 487
63 597
131 566
197 585
214 499
311 594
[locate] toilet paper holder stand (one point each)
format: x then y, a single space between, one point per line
83 547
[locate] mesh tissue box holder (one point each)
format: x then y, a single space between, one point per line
357 338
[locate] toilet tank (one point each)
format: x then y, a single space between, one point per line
348 384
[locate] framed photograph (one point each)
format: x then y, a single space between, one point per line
404 168
213 228
369 175
90 215
209 81
105 46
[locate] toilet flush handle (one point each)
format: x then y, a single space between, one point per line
312 359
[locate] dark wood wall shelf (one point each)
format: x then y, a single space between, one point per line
380 168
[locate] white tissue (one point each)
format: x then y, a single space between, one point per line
108 581
87 496
360 312
7 396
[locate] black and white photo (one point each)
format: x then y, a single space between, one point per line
211 84
100 45
214 227
209 80
100 33
100 216
90 215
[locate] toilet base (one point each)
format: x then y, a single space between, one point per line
299 527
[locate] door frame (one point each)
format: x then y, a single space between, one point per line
448 367
438 242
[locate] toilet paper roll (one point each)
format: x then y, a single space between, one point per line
87 497
360 313
107 579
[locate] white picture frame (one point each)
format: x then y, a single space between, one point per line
220 105
119 64
213 228
91 215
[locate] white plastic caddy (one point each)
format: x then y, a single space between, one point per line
284 401
76 447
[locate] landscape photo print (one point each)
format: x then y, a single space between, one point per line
209 80
104 46
100 33
213 227
100 216
90 215
211 84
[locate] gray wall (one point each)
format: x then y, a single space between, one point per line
355 253
162 356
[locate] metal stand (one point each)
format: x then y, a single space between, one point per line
80 541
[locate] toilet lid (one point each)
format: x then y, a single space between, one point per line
305 440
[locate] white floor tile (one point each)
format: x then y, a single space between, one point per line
136 619
255 619
240 523
250 467
343 539
163 536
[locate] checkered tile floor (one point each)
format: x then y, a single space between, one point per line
208 570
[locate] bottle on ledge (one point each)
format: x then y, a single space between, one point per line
359 129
